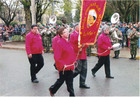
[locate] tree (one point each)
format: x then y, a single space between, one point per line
33 10
123 7
67 10
134 14
41 8
28 19
108 13
78 10
8 11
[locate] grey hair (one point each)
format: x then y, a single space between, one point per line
105 27
77 24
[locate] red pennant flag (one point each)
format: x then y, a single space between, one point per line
92 12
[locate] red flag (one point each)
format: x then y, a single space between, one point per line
92 12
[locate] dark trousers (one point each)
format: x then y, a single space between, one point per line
82 70
133 50
68 77
36 63
117 53
103 60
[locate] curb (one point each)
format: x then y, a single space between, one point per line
51 51
14 48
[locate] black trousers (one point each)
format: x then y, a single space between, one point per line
82 70
36 63
68 77
103 60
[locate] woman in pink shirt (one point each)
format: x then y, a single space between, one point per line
64 58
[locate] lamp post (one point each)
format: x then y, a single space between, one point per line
33 11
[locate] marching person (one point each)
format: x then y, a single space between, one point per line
116 38
133 37
81 58
54 44
34 49
64 60
104 46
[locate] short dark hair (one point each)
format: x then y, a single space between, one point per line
32 26
60 31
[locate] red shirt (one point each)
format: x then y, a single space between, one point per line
33 43
103 42
74 42
54 41
64 55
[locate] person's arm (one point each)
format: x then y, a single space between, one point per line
28 46
102 44
58 56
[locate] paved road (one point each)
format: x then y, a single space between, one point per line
15 78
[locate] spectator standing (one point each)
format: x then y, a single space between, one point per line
122 29
116 38
22 30
130 29
133 37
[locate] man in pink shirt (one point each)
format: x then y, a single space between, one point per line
104 46
34 50
81 58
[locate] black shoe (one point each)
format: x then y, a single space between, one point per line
117 57
84 86
93 73
111 77
51 92
131 58
134 58
35 81
114 57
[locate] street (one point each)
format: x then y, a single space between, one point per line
15 77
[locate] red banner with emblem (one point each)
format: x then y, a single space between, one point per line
92 12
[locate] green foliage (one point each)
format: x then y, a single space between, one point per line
107 14
128 10
67 11
26 3
14 23
61 18
18 38
78 10
123 7
59 22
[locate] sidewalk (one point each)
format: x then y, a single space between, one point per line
124 53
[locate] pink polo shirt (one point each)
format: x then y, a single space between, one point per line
54 41
33 43
64 55
74 42
103 42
